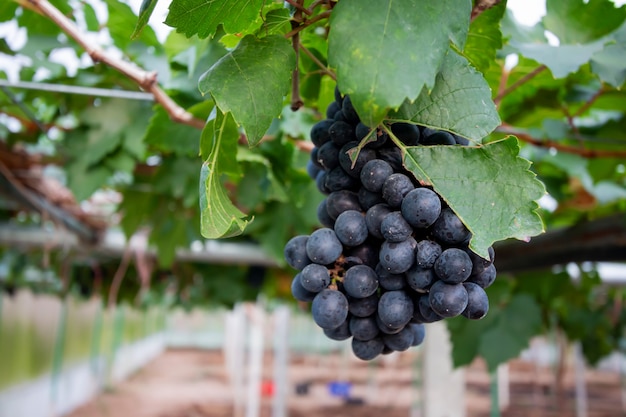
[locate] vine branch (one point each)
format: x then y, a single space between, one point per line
144 79
519 83
323 68
481 6
306 23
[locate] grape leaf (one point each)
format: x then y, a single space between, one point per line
251 81
580 22
219 217
386 51
609 63
202 17
501 203
145 11
561 60
459 102
484 37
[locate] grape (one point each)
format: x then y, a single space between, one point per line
348 110
328 156
367 252
407 133
339 333
367 350
374 217
338 95
368 199
479 264
398 257
295 252
485 278
426 312
393 156
439 138
320 181
341 133
323 216
350 228
299 292
386 329
478 302
314 277
319 132
323 247
427 253
329 309
394 228
361 131
363 328
389 281
400 341
337 179
363 307
360 281
419 332
395 187
339 201
312 169
374 173
449 229
332 108
420 279
395 308
353 168
313 158
453 266
421 207
460 140
448 300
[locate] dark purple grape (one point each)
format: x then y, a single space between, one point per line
361 131
368 199
426 312
299 292
400 341
398 257
395 308
323 247
363 328
374 174
367 350
312 169
394 228
374 217
295 252
453 266
393 156
329 309
448 300
339 333
341 133
478 302
353 168
448 229
368 252
314 277
389 281
319 132
338 95
360 281
320 181
337 179
328 156
332 108
350 228
408 133
419 333
349 111
339 201
363 307
420 279
485 278
461 140
395 187
421 207
387 329
323 216
479 264
438 137
427 253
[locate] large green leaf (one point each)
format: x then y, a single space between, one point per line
609 62
489 187
561 60
459 102
579 21
484 37
251 82
202 17
386 51
145 11
219 217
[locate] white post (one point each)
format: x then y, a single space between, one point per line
581 387
504 393
255 360
281 361
443 387
234 354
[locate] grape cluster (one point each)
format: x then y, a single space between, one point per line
391 255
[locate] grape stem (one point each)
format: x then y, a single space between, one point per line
519 83
324 69
306 23
296 99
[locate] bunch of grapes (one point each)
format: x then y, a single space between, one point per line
391 255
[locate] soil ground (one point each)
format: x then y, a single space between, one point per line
194 383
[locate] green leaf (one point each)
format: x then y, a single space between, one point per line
121 20
251 81
202 17
501 203
91 19
561 60
459 102
145 11
579 21
386 51
484 37
219 217
516 324
608 63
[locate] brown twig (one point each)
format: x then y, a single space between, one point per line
519 82
590 102
306 23
146 80
323 68
481 6
299 7
504 79
316 4
296 100
585 153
